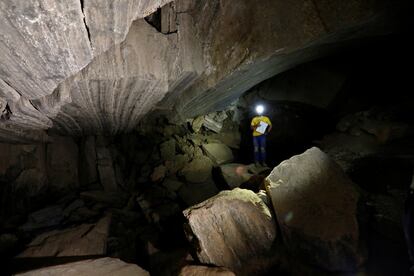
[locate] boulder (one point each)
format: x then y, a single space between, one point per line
316 204
97 267
83 240
231 139
197 123
179 162
235 174
172 185
219 153
198 170
196 270
167 150
234 229
214 121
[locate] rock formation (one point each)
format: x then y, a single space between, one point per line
97 267
67 65
316 207
234 229
83 240
193 270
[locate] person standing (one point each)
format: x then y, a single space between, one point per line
261 126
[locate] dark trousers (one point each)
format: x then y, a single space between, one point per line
408 223
259 144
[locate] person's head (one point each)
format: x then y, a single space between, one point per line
260 109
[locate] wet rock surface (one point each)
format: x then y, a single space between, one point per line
234 229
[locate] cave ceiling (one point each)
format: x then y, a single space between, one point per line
79 67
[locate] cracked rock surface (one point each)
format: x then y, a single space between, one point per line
97 67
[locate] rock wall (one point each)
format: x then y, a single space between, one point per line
83 67
31 174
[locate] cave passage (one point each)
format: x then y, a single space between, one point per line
126 145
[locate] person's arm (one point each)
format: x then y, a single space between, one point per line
254 125
269 128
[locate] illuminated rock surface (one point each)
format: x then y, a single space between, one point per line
234 229
86 67
98 267
316 205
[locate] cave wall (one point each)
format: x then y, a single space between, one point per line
33 174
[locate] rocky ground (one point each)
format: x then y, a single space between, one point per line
170 199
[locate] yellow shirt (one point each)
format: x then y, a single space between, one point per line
256 121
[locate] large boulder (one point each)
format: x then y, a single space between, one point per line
97 267
219 153
196 270
316 204
234 229
83 240
198 170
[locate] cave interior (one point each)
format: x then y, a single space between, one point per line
126 144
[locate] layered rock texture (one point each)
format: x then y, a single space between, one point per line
82 67
83 240
234 229
316 205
